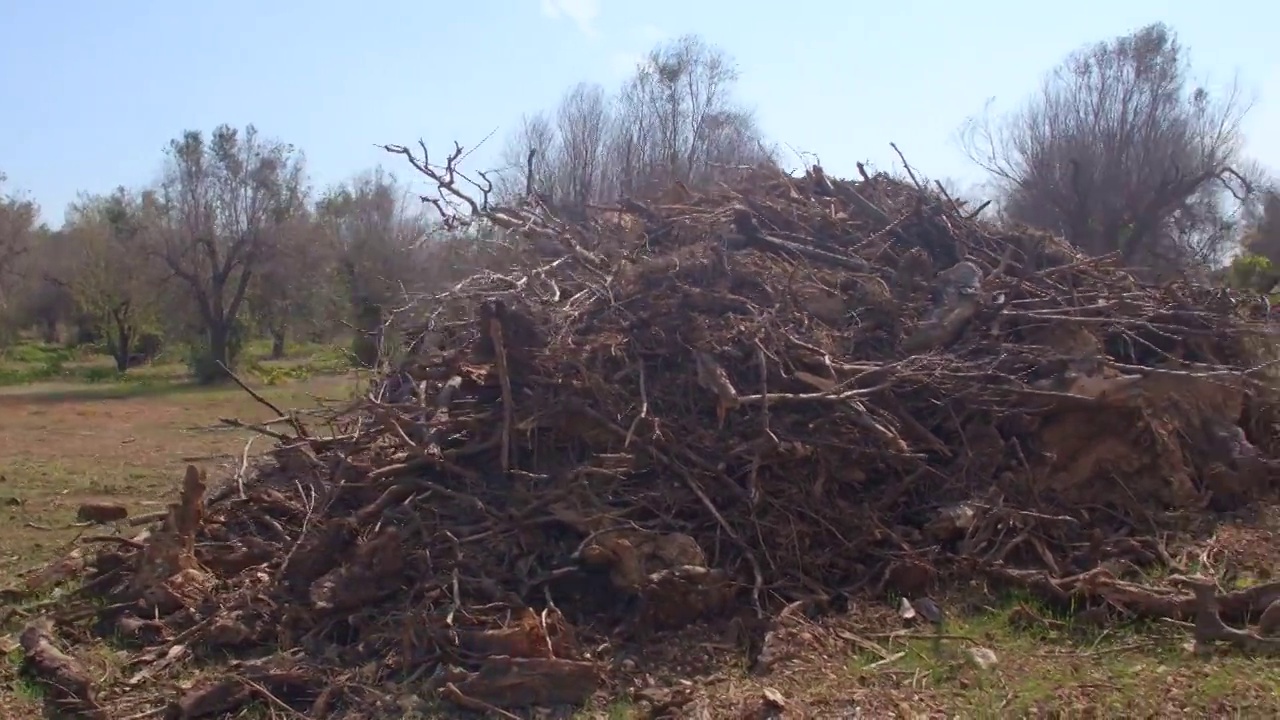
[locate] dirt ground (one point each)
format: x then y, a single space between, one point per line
61 445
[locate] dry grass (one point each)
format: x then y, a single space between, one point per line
61 445
1047 666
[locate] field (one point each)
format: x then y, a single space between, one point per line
76 438
79 435
72 432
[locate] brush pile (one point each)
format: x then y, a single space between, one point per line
690 410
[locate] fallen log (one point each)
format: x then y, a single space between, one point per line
67 680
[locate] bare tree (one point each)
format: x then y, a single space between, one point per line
1119 152
631 140
226 200
36 297
581 122
17 229
529 161
677 120
674 120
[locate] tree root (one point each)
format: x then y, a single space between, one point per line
1203 604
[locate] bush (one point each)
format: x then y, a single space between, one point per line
29 362
148 345
1252 272
201 363
276 375
364 350
311 360
364 345
101 374
39 353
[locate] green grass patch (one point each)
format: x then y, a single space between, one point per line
30 362
301 363
1050 664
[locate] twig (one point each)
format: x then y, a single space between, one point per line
753 478
271 699
508 398
451 693
644 407
117 539
233 422
701 494
782 398
293 420
907 166
244 467
302 533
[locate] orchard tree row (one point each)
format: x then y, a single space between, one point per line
1118 150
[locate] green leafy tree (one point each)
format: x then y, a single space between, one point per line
289 289
227 201
374 234
1263 235
111 275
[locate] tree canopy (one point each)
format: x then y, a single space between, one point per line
1119 150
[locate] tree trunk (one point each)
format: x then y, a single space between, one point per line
123 345
86 331
365 345
219 336
277 343
49 331
219 349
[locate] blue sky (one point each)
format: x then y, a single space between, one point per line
92 91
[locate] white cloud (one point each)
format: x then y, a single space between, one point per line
624 63
651 34
583 13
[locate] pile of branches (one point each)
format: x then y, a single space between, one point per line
692 409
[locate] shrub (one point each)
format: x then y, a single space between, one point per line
201 363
